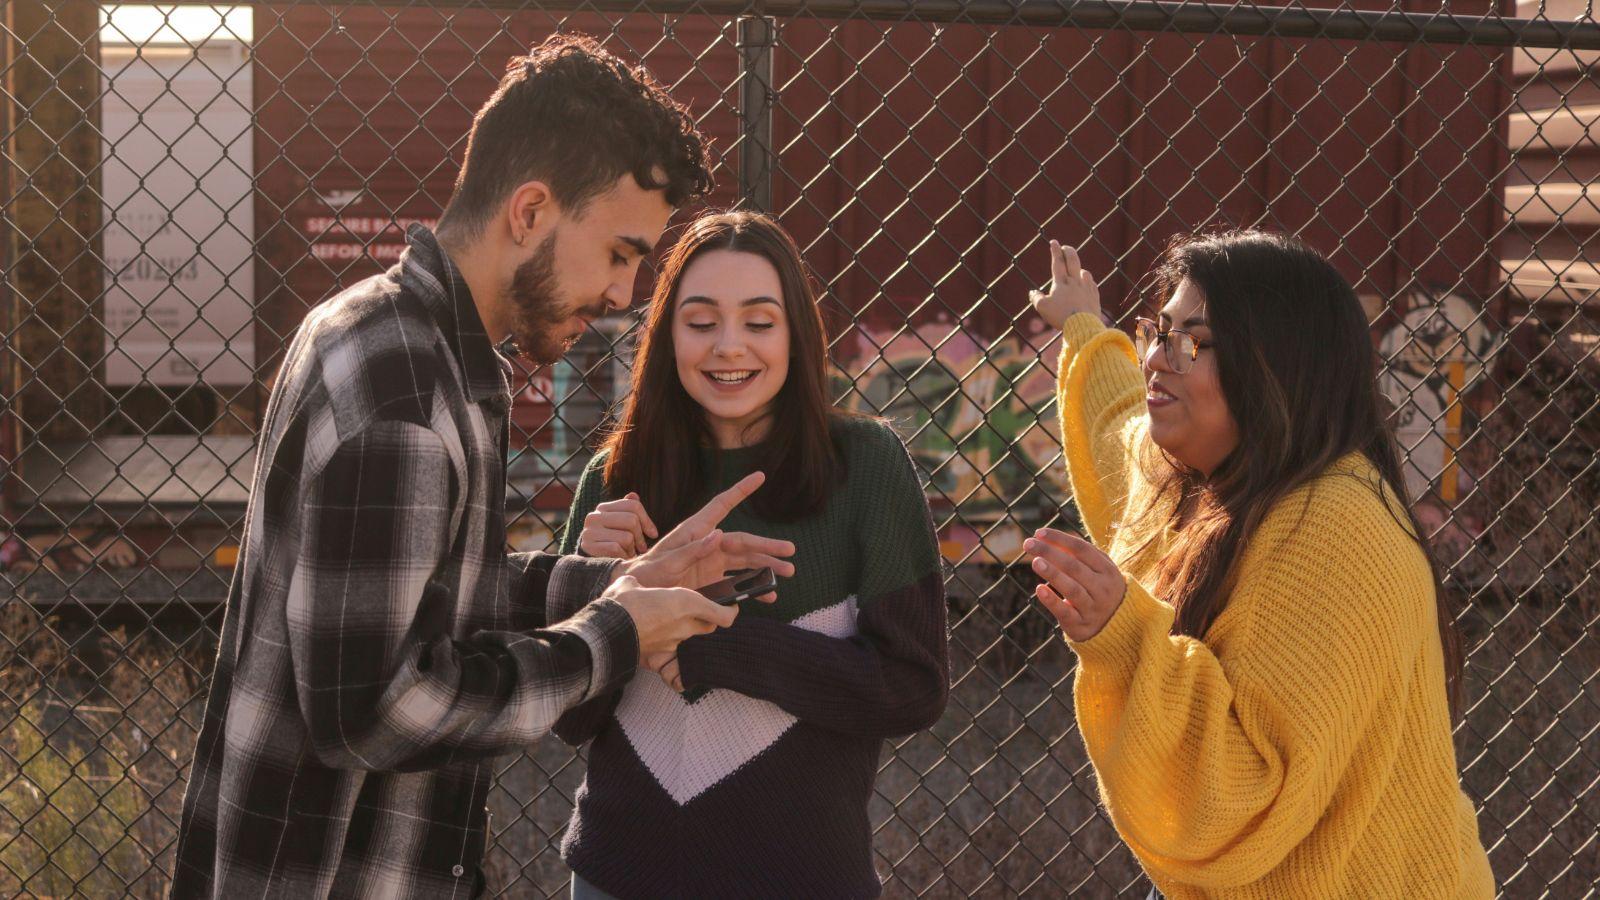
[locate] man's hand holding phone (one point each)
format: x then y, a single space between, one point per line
664 617
697 553
661 588
727 593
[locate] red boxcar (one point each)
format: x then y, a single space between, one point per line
919 167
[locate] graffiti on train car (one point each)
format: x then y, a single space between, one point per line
979 419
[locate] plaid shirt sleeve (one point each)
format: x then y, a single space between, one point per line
381 682
547 588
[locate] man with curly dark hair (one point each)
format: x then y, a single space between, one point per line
572 169
379 646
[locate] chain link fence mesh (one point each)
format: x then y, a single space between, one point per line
181 184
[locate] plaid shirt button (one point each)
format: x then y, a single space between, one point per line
458 871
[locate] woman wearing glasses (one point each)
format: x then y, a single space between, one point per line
1266 658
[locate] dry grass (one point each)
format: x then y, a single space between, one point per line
99 728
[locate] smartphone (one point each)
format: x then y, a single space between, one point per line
741 585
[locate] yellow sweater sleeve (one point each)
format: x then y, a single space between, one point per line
1214 765
1100 393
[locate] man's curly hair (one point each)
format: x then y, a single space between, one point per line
576 117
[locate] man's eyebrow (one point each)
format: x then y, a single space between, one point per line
1194 322
639 245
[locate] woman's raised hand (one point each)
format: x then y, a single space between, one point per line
1072 288
1083 587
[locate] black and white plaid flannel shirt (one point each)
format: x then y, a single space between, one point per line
380 647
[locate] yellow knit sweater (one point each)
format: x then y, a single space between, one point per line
1303 748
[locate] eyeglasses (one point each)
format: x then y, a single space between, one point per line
1182 348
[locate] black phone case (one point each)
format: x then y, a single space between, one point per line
764 583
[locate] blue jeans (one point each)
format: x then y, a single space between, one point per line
583 890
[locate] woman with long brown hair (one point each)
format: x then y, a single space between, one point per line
742 767
1266 656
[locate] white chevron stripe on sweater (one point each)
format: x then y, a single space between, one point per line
690 747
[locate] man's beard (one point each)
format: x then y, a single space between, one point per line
537 310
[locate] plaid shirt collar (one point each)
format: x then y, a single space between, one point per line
428 273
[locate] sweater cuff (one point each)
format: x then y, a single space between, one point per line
1099 388
613 643
1115 649
1089 386
702 659
731 657
574 581
1077 331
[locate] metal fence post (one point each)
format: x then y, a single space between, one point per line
756 100
54 216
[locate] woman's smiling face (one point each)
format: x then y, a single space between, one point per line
730 335
1189 415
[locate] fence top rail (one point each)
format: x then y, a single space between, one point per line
1391 25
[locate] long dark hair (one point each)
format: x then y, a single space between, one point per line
1300 376
656 446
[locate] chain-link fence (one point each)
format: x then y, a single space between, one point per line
181 183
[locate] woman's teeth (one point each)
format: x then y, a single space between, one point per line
732 377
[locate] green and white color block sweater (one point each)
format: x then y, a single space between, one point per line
755 782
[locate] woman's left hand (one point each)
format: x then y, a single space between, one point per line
1082 588
666 665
